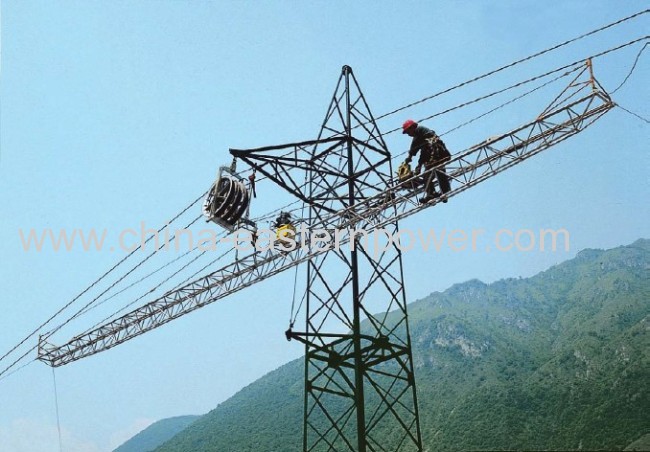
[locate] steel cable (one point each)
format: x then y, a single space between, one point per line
530 57
636 60
91 285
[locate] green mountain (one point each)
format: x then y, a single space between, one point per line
556 361
156 434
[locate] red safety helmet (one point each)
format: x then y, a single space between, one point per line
408 124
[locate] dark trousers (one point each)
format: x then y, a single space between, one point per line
443 180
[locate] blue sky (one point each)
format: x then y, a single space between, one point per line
114 113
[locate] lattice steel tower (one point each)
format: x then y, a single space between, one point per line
359 383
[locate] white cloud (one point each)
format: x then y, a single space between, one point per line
28 435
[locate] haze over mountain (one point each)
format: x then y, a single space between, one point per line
156 434
559 360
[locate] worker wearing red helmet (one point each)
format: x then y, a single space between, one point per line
433 152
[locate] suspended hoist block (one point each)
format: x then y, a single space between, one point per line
228 200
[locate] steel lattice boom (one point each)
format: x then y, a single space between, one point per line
581 104
359 375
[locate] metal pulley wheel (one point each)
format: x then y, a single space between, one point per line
226 202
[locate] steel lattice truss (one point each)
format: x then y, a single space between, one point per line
359 381
359 376
573 110
472 166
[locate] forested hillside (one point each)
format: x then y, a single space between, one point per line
556 361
